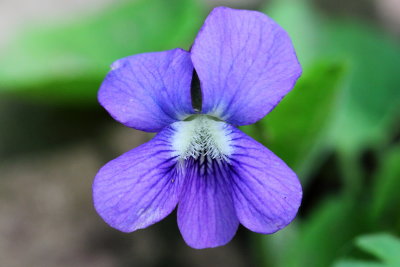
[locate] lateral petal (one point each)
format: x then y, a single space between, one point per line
266 192
139 188
149 91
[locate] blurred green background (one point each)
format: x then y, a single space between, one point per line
338 129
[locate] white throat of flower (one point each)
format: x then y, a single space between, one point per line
201 136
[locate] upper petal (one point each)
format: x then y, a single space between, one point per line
266 192
140 187
246 64
149 91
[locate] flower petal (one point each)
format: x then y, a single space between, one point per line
206 215
139 188
246 64
149 91
266 192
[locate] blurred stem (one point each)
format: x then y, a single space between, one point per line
259 250
352 173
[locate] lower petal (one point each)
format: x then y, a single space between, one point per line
266 192
206 214
139 188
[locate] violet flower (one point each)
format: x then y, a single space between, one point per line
199 161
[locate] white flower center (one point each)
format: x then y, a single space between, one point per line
201 136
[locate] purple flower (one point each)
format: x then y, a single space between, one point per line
199 161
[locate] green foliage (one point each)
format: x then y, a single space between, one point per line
319 239
345 109
356 263
301 23
371 99
383 246
294 130
386 197
67 62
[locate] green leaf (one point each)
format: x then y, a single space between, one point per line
383 246
55 60
386 197
369 105
370 102
355 263
301 22
319 238
294 129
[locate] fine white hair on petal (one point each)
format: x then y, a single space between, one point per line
200 137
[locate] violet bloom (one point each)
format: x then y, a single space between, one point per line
199 161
